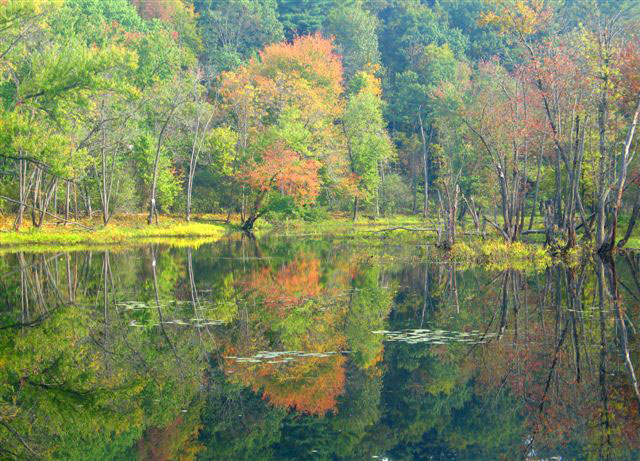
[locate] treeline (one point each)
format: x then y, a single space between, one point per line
507 113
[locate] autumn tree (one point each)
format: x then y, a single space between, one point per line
283 105
498 113
281 170
589 85
452 151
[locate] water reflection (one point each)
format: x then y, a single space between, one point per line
283 349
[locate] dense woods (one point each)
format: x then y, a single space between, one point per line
517 116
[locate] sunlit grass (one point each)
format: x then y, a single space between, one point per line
500 255
129 229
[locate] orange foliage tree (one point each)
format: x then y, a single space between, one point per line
284 105
284 169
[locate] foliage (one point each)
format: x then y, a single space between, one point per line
368 144
500 255
235 30
355 35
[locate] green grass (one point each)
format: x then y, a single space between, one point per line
340 225
500 255
126 231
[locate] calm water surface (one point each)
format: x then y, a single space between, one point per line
282 349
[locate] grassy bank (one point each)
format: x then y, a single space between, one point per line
342 225
499 255
207 228
130 229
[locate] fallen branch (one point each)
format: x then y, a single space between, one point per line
500 229
418 229
19 437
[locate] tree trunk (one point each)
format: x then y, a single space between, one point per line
558 190
67 202
414 184
192 169
425 170
154 183
355 208
575 172
45 204
75 201
254 214
55 201
610 241
22 172
506 205
105 197
632 221
189 189
535 195
453 212
248 224
603 190
36 194
196 147
87 198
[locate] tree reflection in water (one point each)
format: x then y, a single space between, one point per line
281 349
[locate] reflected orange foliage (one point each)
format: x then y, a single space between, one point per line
305 383
312 386
171 442
289 286
523 364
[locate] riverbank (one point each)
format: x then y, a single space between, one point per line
123 230
132 229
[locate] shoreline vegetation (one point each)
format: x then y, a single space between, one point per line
130 230
125 230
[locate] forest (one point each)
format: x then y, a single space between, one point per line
514 116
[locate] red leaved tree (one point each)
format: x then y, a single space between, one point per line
287 99
281 169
